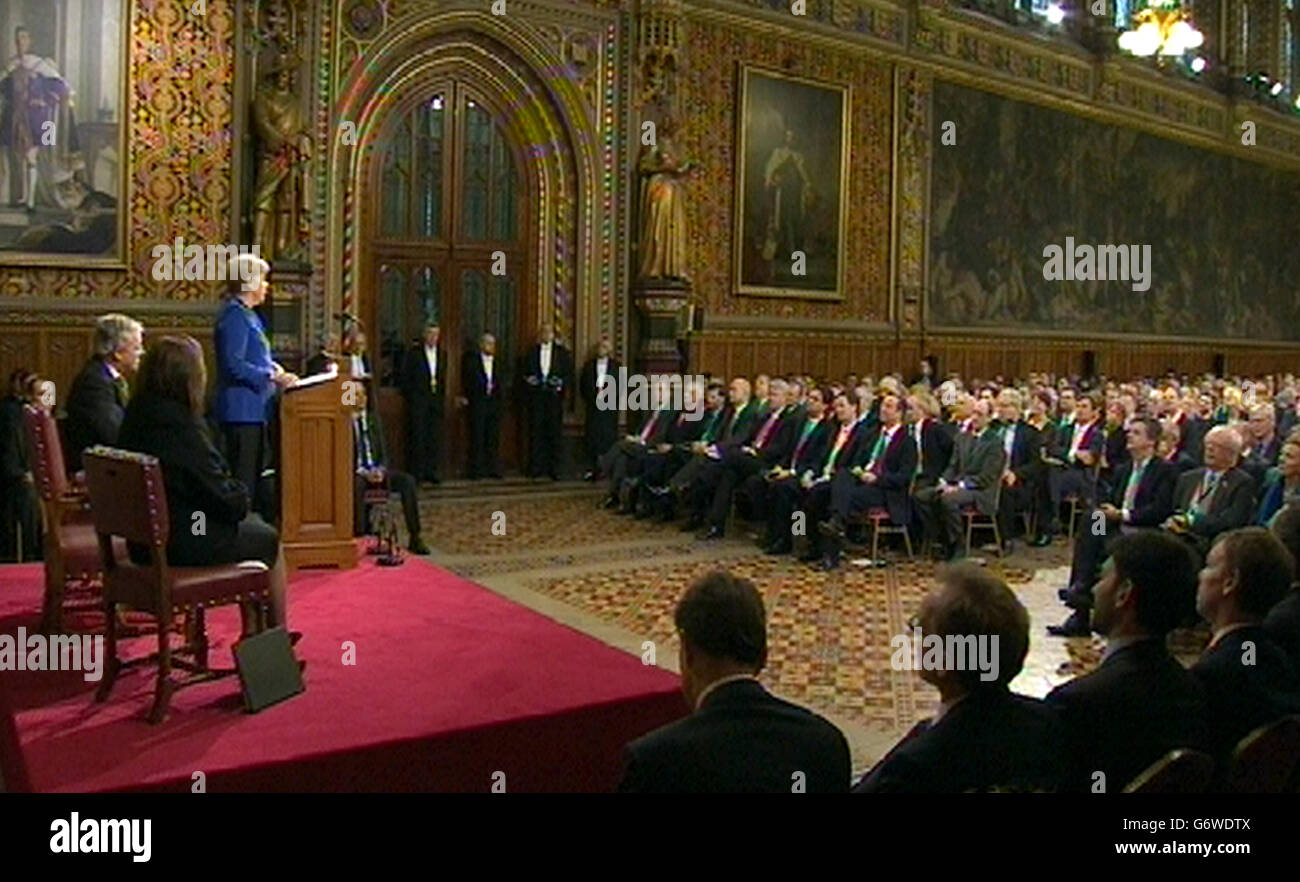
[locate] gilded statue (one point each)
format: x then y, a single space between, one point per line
280 195
663 210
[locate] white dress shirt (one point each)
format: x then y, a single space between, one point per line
602 371
487 369
544 359
431 356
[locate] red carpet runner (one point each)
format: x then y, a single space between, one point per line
452 683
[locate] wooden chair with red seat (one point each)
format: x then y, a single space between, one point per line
71 550
880 523
1179 771
129 501
977 520
1268 759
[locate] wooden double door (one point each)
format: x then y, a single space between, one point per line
447 241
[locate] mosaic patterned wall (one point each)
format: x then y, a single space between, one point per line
709 87
182 68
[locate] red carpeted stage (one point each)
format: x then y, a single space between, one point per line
452 683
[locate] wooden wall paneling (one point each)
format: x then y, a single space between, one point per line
65 352
19 348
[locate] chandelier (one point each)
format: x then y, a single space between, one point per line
1161 28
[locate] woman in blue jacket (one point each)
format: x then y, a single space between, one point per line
247 377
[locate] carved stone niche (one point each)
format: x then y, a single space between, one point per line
661 304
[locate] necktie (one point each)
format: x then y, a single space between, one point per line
803 439
364 438
123 389
708 434
1131 491
650 426
920 426
1208 485
835 451
874 464
763 432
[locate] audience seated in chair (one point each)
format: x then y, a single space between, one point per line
1283 621
984 737
739 738
1281 483
1140 703
96 402
972 478
775 493
1248 679
1211 500
209 507
773 441
1141 495
368 456
878 476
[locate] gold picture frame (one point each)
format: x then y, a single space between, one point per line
785 119
71 215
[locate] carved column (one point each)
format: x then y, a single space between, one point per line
661 301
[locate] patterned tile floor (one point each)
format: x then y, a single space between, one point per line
828 634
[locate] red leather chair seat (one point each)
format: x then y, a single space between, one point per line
205 586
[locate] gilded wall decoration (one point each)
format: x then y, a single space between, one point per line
1203 232
179 145
710 98
911 180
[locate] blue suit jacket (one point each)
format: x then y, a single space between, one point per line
244 366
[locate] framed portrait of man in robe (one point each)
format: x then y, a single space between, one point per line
64 74
792 149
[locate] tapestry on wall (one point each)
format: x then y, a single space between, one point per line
1042 220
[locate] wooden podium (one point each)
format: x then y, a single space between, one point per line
316 476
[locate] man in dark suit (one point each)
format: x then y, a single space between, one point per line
773 493
371 470
1249 681
1142 496
624 459
1283 621
933 441
97 399
1211 500
424 377
739 424
772 443
690 433
1023 447
602 421
984 738
1263 443
548 373
739 737
482 384
972 477
878 476
1074 455
803 504
1140 703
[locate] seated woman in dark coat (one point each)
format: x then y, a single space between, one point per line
165 419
